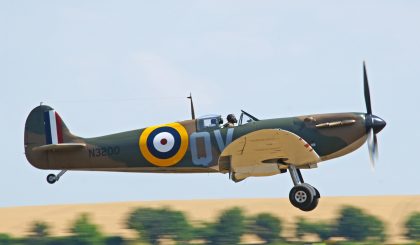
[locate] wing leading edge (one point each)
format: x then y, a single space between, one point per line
265 152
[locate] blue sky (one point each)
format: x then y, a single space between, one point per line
111 66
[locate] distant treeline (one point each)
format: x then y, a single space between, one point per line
167 226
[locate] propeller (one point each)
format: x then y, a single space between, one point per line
374 124
373 147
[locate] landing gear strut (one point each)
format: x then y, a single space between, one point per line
302 195
52 178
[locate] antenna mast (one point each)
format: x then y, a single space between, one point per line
192 106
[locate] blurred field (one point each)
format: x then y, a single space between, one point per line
111 217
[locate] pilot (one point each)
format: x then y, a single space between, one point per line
231 120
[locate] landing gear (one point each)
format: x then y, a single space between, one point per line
302 195
52 178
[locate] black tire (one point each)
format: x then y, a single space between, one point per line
318 195
311 206
51 178
301 196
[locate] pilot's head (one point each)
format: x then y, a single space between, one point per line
231 118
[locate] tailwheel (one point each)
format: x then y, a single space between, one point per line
51 178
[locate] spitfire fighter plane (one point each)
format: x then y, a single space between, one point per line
251 148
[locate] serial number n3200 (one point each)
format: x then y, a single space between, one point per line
104 151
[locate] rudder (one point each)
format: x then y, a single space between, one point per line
44 127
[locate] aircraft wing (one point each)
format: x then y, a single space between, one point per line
60 147
263 152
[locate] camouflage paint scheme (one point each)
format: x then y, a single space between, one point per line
252 148
329 135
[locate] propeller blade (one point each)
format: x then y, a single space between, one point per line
373 123
367 92
373 147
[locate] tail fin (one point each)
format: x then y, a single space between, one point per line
44 127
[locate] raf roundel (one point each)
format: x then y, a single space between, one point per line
164 145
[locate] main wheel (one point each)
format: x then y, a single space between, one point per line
51 178
301 196
311 206
318 195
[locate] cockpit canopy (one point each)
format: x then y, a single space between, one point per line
209 122
216 121
246 118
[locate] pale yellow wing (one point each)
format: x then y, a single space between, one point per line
254 151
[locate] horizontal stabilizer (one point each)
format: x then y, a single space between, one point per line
60 147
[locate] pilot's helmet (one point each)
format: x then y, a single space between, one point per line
231 118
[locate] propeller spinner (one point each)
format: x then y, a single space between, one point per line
374 124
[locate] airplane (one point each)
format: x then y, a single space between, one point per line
251 148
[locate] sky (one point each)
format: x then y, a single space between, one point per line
112 66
